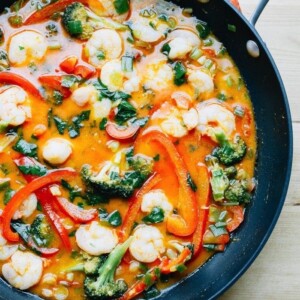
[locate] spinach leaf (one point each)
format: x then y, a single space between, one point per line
74 128
58 98
203 29
179 73
74 192
60 124
8 195
121 6
93 199
125 112
157 215
37 170
103 124
25 148
106 93
68 81
114 218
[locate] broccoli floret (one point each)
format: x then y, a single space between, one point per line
4 62
41 231
105 286
230 172
81 23
229 153
219 181
92 266
237 192
111 181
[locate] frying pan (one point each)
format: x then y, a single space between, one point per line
274 155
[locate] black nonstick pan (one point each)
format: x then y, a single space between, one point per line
274 157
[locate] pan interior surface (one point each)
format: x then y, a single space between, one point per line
274 157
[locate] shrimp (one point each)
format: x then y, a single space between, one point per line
104 45
144 32
14 106
24 270
27 207
6 250
158 75
215 117
96 239
201 81
27 46
147 244
116 79
183 42
156 198
57 150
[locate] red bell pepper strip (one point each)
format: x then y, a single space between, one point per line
54 82
236 4
119 133
202 194
135 206
17 79
23 193
68 64
77 214
237 217
167 266
47 199
84 71
49 10
186 223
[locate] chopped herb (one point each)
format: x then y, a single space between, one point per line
26 148
231 27
179 73
181 268
60 124
156 157
140 122
4 184
125 112
74 128
222 97
32 67
52 29
148 13
208 42
39 206
148 280
105 93
103 124
191 183
114 218
72 233
157 215
21 48
58 98
121 6
152 25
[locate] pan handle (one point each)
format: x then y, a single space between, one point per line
259 9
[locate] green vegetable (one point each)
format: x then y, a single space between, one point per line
37 170
166 49
230 172
222 97
4 62
103 124
203 29
81 23
151 292
105 286
219 181
237 192
74 192
196 54
125 112
8 194
58 98
230 153
111 181
217 231
127 63
94 198
105 93
121 6
179 73
1 36
41 231
52 29
157 215
26 148
69 80
60 124
4 183
239 111
156 157
231 27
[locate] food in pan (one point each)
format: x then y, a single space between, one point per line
127 147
